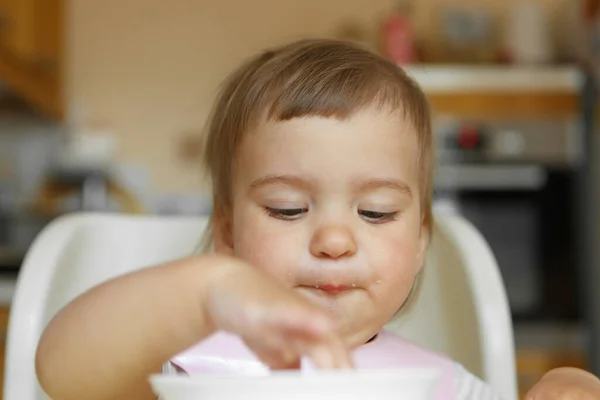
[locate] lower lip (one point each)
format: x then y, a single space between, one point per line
323 297
332 289
327 289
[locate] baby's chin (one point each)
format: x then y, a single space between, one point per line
355 338
342 307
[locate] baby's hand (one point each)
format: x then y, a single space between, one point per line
278 325
566 384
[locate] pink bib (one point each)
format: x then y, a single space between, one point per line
226 353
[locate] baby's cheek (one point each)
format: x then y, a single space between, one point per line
253 248
400 267
266 252
403 251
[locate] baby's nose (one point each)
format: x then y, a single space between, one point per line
333 242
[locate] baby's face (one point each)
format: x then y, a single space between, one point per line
331 208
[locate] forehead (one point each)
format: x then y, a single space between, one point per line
369 144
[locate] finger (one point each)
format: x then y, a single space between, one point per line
308 324
331 353
274 352
341 354
321 355
288 358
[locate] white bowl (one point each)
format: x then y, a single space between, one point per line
405 384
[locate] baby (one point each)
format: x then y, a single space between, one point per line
321 159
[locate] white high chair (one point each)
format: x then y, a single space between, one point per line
462 310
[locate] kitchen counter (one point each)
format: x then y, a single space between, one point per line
485 78
500 92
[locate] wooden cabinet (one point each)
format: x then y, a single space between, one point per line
31 29
31 42
500 92
516 104
19 25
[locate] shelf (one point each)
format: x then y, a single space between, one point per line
445 79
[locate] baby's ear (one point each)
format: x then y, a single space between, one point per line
223 234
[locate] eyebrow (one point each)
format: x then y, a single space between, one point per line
289 180
358 186
394 184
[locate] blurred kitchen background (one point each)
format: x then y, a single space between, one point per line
102 105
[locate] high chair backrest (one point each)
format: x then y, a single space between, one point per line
462 310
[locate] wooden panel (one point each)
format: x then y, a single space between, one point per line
4 22
42 89
31 53
49 32
21 29
501 105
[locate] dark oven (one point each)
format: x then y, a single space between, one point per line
516 182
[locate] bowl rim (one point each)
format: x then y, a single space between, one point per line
298 376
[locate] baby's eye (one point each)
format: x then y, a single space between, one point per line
378 217
285 213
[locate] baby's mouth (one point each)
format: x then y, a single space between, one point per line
325 295
328 288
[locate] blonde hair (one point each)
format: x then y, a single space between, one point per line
313 77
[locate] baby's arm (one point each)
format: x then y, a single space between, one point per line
566 384
105 343
558 384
